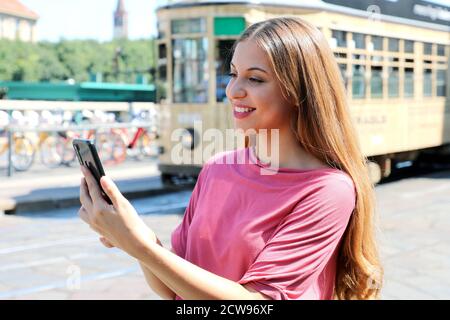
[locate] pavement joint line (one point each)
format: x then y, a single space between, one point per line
4 251
62 284
45 262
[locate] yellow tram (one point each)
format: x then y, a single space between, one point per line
393 55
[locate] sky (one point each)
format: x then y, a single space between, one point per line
91 19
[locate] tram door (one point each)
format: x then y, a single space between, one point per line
223 59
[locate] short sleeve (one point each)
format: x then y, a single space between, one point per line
303 243
179 235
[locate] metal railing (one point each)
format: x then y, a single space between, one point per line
13 129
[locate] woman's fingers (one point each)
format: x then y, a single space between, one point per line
82 213
92 186
85 197
106 242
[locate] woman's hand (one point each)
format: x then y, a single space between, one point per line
118 224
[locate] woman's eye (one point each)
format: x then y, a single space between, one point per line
251 79
255 80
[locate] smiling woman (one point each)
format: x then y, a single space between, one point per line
304 232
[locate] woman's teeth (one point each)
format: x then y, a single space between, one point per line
243 109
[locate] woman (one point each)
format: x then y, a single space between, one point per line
305 232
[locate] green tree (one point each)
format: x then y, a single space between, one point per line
76 59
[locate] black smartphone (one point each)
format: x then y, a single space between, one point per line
87 156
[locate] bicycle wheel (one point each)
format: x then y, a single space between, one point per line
51 150
111 148
147 146
23 154
68 153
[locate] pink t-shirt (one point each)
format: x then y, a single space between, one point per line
279 233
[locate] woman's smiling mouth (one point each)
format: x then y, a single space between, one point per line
241 111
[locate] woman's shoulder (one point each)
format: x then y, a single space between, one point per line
337 178
333 186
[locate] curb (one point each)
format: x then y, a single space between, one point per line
11 206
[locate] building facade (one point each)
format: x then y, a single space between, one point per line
120 21
17 22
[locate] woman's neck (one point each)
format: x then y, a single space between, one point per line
284 150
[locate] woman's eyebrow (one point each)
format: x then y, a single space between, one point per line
252 68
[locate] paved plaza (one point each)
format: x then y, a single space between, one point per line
54 255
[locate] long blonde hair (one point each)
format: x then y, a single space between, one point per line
309 76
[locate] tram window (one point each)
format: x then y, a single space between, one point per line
343 69
409 46
377 42
409 83
393 44
162 51
376 82
197 25
377 59
427 82
440 50
360 40
162 70
427 48
223 59
190 69
340 55
441 83
359 57
358 85
161 33
341 38
393 82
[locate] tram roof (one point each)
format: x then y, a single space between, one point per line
431 14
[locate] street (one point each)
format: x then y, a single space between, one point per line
54 255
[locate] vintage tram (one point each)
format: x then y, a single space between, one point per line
393 56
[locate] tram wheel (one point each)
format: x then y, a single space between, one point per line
167 180
374 172
173 180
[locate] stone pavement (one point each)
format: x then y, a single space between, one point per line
414 216
53 255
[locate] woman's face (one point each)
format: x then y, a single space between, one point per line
254 91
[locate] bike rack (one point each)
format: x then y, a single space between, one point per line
11 129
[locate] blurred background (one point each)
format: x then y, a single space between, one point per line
127 73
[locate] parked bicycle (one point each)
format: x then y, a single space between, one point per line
22 148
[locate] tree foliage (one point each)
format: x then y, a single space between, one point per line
80 60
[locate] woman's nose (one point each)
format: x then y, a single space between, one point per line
235 90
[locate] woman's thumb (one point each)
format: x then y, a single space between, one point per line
110 189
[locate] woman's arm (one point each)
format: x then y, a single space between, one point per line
189 281
157 285
122 226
